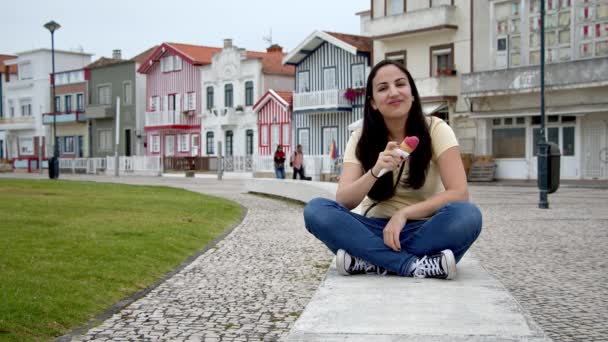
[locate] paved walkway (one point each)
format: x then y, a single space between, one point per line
258 279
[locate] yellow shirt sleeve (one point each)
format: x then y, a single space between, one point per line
442 137
350 155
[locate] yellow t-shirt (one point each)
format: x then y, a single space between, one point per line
442 138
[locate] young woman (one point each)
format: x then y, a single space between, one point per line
417 219
279 162
297 162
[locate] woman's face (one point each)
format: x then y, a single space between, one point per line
391 95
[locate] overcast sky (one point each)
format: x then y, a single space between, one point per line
100 26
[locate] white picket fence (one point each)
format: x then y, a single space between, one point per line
136 165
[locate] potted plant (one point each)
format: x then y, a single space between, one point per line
239 108
351 94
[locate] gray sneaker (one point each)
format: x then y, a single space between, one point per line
441 265
347 265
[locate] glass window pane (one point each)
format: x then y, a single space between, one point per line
509 143
601 48
553 135
568 141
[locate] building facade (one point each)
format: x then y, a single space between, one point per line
27 140
7 73
232 83
503 89
331 71
67 113
433 40
274 114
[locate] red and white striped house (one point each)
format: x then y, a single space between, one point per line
173 93
274 121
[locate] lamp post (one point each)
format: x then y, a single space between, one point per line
52 26
543 147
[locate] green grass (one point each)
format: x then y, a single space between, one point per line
70 250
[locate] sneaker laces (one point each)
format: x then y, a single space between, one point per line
362 265
428 267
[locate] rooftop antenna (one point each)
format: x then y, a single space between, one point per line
268 38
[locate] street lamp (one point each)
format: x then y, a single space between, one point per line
52 26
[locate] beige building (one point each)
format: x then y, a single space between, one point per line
433 39
502 89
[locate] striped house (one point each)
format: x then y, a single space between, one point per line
274 121
331 71
173 92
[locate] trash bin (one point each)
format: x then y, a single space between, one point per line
549 161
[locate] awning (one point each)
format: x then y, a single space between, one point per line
433 107
578 110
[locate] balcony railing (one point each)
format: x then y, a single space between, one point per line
326 99
20 122
434 18
438 86
171 118
64 117
100 111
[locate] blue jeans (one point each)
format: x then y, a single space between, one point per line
455 226
280 172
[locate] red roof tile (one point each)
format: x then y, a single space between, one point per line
286 95
142 57
360 42
12 69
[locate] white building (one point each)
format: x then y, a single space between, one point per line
503 89
27 141
231 85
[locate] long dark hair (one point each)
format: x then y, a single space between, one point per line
374 138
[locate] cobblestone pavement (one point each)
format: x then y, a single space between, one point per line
251 286
554 262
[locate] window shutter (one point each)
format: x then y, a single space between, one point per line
165 103
178 103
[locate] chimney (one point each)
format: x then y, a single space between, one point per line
227 43
116 54
275 48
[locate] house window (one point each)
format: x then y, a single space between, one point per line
508 34
275 138
170 63
442 60
229 142
557 31
303 82
68 145
330 134
285 138
357 72
228 96
592 21
104 95
397 56
395 7
171 102
191 101
170 145
437 3
11 108
127 93
209 98
155 103
68 103
155 143
26 146
249 142
249 93
303 139
25 71
105 139
209 143
329 78
26 107
80 102
183 140
57 104
509 138
264 135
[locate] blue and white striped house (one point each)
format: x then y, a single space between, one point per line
331 70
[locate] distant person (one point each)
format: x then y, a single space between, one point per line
279 162
417 219
297 163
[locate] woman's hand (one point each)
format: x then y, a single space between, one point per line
388 159
392 230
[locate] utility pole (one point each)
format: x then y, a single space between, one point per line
543 147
